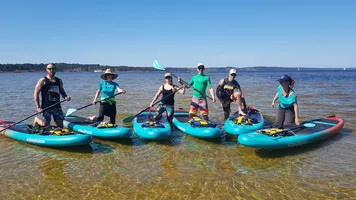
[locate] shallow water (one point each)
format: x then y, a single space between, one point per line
183 167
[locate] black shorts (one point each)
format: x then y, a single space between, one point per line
107 109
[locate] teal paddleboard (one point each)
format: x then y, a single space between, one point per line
237 124
145 127
85 126
21 133
181 121
308 132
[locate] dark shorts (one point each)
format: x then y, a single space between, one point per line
285 116
107 109
57 114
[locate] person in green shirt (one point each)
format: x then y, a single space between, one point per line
200 83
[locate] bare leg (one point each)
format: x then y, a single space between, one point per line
239 103
39 122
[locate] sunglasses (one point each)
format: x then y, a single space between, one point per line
233 74
168 77
51 68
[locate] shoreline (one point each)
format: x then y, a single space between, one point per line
150 69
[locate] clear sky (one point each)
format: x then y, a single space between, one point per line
179 33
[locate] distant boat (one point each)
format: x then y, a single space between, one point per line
98 71
298 69
344 69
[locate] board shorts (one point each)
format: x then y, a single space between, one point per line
57 114
199 103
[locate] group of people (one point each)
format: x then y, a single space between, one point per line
228 90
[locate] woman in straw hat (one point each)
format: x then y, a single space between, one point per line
167 90
107 89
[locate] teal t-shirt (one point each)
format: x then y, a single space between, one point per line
200 82
286 102
108 89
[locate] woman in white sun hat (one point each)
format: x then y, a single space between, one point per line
229 90
107 89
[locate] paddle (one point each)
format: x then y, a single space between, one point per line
72 110
33 115
130 118
156 65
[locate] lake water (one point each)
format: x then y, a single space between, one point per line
183 167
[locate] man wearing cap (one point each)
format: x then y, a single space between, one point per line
51 88
227 91
199 83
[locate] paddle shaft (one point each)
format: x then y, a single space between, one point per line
159 101
33 115
98 101
158 66
193 87
132 117
292 128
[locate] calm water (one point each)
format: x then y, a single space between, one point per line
184 167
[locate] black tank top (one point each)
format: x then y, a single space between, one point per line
170 99
229 88
50 93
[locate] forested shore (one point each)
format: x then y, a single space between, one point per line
67 67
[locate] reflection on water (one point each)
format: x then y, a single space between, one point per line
182 167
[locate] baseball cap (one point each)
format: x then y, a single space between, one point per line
232 71
285 78
201 66
167 75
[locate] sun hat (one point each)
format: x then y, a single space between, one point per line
232 71
201 66
168 75
285 78
108 71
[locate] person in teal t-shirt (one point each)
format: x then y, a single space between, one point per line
288 111
200 83
107 89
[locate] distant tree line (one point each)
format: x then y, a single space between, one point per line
65 67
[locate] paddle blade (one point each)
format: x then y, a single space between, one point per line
128 119
70 111
156 65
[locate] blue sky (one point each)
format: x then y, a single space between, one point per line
289 33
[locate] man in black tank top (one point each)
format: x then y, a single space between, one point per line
227 91
51 88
